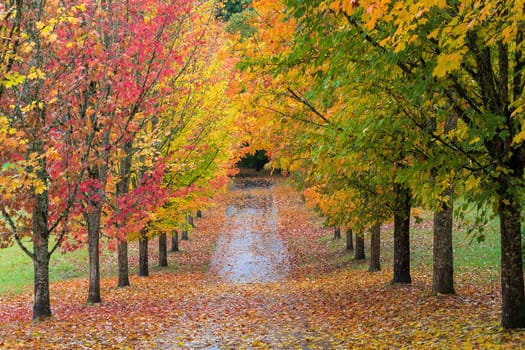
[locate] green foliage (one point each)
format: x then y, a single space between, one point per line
254 161
228 8
239 24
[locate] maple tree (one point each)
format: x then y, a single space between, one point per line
131 50
180 155
198 140
472 55
45 168
317 138
99 110
139 190
306 66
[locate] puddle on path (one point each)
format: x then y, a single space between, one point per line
248 249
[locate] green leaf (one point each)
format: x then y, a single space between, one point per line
6 166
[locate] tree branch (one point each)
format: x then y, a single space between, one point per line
9 220
305 102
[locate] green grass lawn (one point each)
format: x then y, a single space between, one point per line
468 251
472 254
16 268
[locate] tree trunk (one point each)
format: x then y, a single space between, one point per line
443 269
175 241
359 253
199 214
92 217
513 309
93 224
96 198
42 305
143 254
189 219
184 236
337 232
402 235
443 253
163 250
349 239
123 265
123 189
375 248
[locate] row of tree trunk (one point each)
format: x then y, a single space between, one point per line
163 249
359 251
163 252
443 259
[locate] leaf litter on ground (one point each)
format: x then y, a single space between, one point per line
317 304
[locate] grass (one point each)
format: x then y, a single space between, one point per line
470 255
16 268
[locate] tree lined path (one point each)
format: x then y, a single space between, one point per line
311 302
399 123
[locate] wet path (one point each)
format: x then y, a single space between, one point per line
248 249
245 300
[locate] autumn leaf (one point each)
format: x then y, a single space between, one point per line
447 63
319 305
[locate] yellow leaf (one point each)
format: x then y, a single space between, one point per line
519 138
40 187
447 63
433 34
12 79
474 140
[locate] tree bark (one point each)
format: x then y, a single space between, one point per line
359 253
92 215
375 249
41 256
123 265
143 254
443 255
175 241
93 224
513 299
349 239
402 235
123 189
163 250
41 305
337 232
